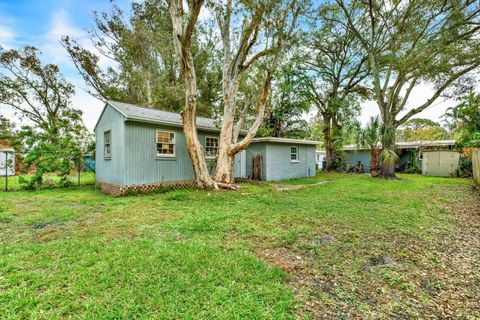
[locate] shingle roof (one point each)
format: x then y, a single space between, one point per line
142 114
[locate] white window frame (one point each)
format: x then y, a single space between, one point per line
296 160
211 137
109 155
174 144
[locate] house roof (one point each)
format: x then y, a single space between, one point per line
133 112
286 140
409 145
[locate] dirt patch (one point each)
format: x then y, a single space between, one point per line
288 187
435 278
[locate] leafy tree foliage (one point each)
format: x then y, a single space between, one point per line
464 120
369 137
334 68
289 104
54 133
141 66
421 129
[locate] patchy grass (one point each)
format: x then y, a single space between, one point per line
50 181
356 247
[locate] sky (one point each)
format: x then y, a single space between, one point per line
42 23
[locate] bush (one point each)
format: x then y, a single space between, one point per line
465 168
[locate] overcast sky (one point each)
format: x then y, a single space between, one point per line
41 23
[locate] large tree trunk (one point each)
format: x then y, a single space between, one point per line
374 153
327 137
182 39
388 155
195 149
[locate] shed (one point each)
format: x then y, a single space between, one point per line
442 163
7 162
410 154
283 158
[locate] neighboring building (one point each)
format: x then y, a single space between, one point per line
320 159
412 154
139 148
283 158
7 162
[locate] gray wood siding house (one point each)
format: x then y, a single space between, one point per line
139 148
283 158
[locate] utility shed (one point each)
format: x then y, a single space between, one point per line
282 159
442 163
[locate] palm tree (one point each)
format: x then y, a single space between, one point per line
369 137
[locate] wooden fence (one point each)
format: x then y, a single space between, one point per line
476 166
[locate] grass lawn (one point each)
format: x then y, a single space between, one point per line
355 247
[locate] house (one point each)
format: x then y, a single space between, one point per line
442 159
139 149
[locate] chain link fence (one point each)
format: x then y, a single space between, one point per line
11 174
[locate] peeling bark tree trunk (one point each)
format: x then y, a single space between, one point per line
182 39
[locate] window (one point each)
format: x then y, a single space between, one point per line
294 154
165 143
211 147
107 143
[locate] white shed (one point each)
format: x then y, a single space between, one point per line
442 163
7 162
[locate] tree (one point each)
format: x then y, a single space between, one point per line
370 137
274 23
464 120
142 68
334 68
7 132
421 129
39 94
409 43
289 104
266 30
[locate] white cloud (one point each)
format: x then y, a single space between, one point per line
6 35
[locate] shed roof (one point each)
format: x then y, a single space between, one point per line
410 144
133 112
286 140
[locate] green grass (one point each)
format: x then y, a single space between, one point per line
50 181
192 254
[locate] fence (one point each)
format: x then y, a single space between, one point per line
82 174
476 166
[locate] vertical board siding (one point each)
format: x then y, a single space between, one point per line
279 164
476 166
110 170
142 165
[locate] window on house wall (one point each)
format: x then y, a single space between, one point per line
294 154
211 147
107 143
165 143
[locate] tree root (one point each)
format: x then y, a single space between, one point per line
227 186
